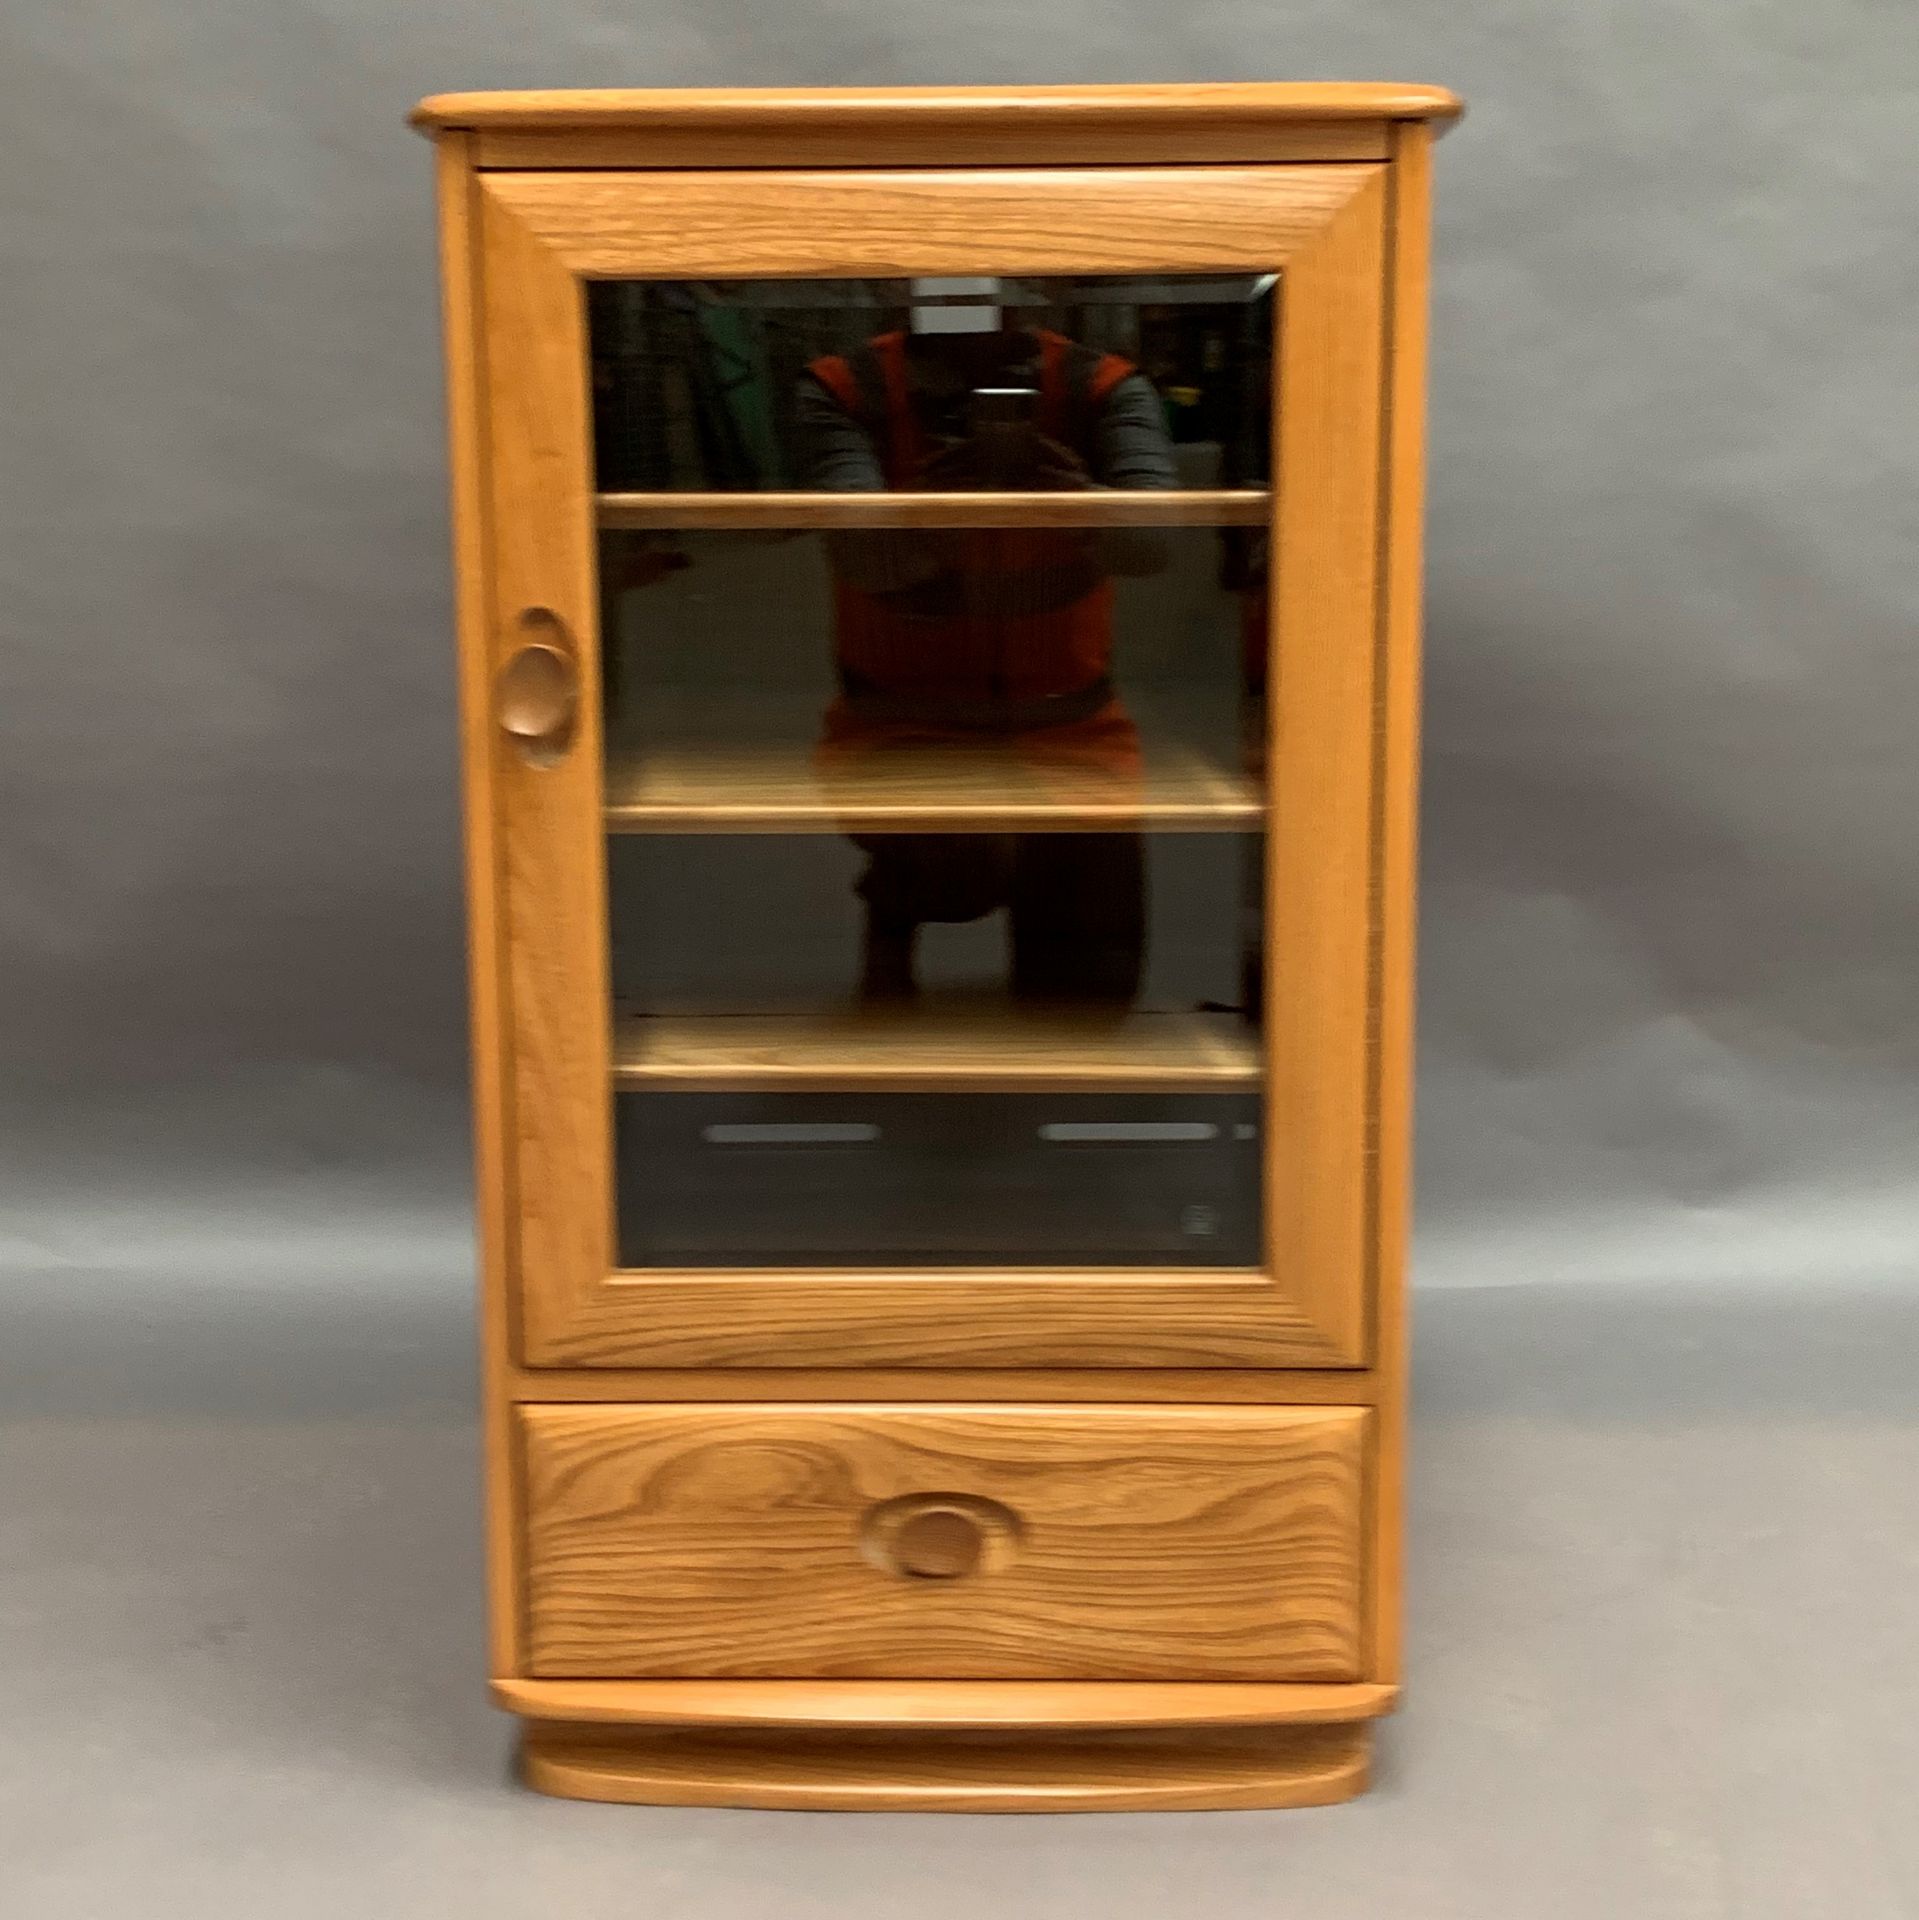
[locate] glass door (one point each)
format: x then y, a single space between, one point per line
934 764
932 643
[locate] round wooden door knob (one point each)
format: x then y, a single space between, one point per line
538 689
938 1543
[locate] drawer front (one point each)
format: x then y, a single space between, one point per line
1119 1543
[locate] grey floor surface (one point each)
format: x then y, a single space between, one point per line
1664 1648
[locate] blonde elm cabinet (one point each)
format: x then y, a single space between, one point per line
937 583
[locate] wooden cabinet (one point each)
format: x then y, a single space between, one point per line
938 581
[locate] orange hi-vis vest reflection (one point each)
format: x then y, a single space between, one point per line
965 654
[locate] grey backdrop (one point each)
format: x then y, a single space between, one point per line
1668 993
1669 984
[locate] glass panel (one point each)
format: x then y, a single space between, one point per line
709 925
766 1026
749 681
935 841
719 386
802 1180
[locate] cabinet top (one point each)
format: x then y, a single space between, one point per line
938 112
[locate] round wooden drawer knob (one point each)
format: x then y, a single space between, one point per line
938 1543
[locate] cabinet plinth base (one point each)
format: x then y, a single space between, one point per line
916 1772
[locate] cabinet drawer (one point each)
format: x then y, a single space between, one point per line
1120 1543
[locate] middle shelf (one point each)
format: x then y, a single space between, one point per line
923 1051
1000 507
779 787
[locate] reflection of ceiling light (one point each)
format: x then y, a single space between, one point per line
1089 1131
1264 284
956 306
798 1133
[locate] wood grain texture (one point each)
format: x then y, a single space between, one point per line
1199 1543
1107 220
915 1773
949 1705
1256 1386
1395 878
775 786
921 1051
1324 601
552 902
963 1317
816 143
1126 107
1103 507
494 1185
933 126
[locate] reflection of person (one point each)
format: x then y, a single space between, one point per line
950 637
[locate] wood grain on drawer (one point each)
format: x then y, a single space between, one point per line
1136 1543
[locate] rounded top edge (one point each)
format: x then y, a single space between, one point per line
604 107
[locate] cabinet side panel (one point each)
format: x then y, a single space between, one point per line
1396 877
490 1081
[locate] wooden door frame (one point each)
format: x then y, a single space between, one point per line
1323 229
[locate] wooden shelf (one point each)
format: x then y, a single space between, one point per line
776 787
1158 507
921 1051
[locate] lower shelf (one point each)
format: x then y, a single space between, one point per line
923 1051
952 1773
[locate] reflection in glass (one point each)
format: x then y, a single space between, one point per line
934 861
722 1180
702 385
734 715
